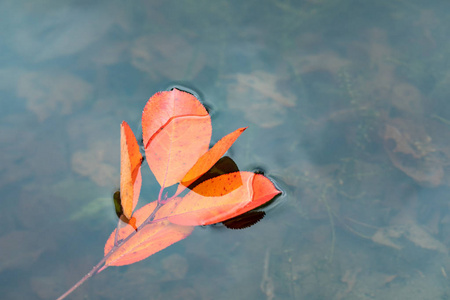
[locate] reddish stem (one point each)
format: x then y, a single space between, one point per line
100 267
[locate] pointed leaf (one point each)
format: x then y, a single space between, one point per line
207 160
219 199
224 165
147 241
263 191
130 170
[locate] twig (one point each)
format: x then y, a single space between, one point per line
100 266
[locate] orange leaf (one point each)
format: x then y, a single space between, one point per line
220 198
163 106
130 170
176 148
147 241
263 191
176 132
207 160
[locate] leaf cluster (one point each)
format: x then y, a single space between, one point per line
176 130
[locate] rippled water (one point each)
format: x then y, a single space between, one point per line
347 107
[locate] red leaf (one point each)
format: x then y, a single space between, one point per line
176 132
163 106
130 170
220 198
147 241
176 148
176 135
263 191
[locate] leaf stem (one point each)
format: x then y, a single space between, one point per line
86 277
100 266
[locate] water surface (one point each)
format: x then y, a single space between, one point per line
347 107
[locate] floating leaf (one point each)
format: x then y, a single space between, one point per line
207 160
263 191
163 106
224 165
176 148
130 170
148 240
176 132
220 198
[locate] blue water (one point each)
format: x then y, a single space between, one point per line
348 112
